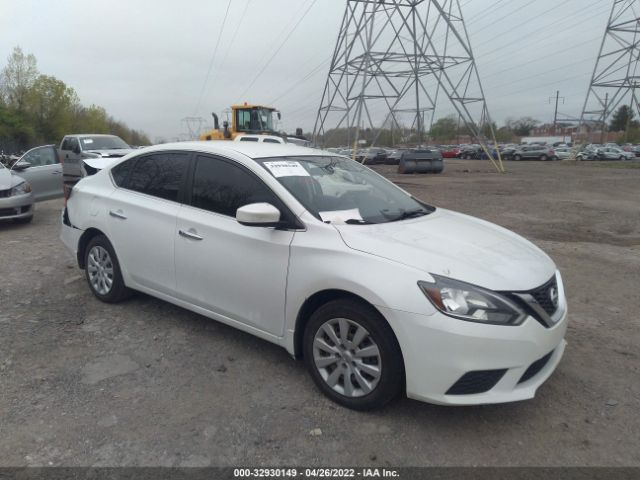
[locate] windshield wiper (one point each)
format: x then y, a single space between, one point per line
357 221
418 212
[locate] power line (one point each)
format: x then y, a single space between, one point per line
295 85
213 57
235 33
545 28
278 49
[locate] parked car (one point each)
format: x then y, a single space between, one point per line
394 157
259 138
611 153
372 156
377 290
535 152
588 154
76 150
507 152
33 177
41 167
450 151
476 152
563 153
16 197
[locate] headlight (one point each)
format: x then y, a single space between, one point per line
20 189
468 302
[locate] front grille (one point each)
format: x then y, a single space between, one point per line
476 382
5 193
544 298
535 368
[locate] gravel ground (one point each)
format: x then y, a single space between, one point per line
147 383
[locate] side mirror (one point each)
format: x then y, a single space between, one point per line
258 215
19 166
76 150
279 116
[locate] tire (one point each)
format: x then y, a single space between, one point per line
622 157
23 220
467 157
517 158
382 372
102 271
543 158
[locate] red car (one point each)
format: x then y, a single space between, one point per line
450 152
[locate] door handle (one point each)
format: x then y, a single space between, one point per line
118 214
191 234
57 172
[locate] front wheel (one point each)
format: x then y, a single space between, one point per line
102 271
353 355
517 158
543 158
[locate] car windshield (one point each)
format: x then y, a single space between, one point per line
103 143
342 191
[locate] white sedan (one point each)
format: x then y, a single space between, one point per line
378 291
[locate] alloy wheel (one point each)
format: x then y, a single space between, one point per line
100 270
347 357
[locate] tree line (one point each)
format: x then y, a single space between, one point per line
37 109
449 130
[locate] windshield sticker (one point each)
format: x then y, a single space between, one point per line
286 169
87 140
340 216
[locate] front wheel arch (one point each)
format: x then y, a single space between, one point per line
314 302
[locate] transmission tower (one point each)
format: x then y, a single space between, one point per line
194 126
615 80
392 60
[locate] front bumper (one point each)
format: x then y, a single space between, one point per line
439 350
18 206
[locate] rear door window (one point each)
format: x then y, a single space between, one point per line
160 175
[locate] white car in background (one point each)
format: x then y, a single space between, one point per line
378 291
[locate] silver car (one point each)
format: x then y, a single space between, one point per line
16 197
36 176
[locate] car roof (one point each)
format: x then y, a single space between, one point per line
91 135
249 149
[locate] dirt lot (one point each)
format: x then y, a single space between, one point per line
147 383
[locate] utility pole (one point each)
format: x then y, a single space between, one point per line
555 115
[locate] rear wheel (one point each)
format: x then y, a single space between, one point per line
544 158
102 271
517 158
353 355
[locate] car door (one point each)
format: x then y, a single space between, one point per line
141 216
45 172
70 156
236 271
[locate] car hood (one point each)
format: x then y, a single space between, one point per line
8 180
457 246
118 152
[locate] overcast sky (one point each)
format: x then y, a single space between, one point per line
146 61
